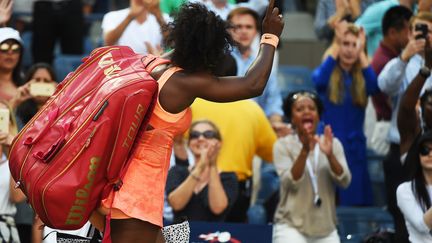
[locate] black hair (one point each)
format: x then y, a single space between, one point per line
41 65
200 38
423 100
395 17
26 110
291 98
417 178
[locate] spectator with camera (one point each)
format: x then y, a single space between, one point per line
201 192
138 27
41 80
396 31
394 80
308 165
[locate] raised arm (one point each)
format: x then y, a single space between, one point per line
217 197
393 73
226 89
5 11
179 197
409 128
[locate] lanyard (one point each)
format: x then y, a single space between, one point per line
313 173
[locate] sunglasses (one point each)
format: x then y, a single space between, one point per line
424 151
206 134
6 47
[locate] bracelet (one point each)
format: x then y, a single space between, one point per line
195 177
270 39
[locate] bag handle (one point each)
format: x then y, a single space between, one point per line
152 61
52 116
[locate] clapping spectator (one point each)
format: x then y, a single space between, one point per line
330 12
308 166
201 192
344 81
247 132
138 27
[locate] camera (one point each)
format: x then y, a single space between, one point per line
423 28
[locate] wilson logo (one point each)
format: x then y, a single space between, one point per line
110 69
133 128
77 211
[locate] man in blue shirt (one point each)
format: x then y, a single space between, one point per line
245 29
245 26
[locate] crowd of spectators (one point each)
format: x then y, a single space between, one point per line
311 143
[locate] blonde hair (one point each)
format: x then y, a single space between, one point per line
358 86
423 15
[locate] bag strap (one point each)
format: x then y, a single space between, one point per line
152 61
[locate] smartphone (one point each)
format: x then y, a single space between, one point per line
4 120
423 28
42 89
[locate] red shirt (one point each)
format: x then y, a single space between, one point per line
381 101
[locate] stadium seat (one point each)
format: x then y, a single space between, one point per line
293 78
64 64
357 222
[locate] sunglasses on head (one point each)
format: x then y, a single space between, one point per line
206 134
424 151
297 95
6 47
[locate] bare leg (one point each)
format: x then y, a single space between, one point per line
133 231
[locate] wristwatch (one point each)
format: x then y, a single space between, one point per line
425 72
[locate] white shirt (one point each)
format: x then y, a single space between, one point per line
6 206
411 210
135 34
393 80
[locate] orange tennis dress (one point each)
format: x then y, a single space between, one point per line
142 193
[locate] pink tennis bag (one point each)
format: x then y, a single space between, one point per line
75 149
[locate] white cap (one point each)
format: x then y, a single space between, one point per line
7 33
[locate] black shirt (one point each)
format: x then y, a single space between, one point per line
198 207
